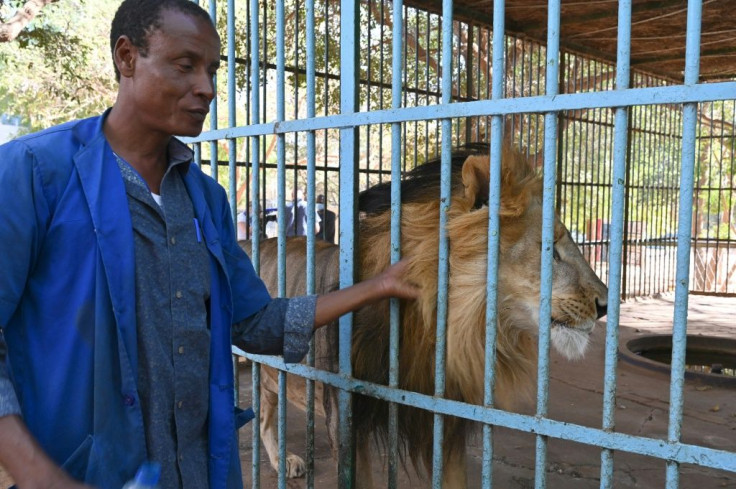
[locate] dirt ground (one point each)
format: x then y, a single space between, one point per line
575 396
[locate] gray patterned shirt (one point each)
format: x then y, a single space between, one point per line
172 294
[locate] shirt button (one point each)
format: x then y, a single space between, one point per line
128 400
181 350
179 404
173 240
178 294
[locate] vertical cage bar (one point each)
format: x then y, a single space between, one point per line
368 87
675 152
231 112
281 165
494 207
213 104
255 102
349 71
255 433
620 153
729 235
393 376
311 181
232 149
679 326
548 221
656 138
443 268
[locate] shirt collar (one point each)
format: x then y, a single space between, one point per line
179 154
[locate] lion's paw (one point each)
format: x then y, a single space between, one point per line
295 466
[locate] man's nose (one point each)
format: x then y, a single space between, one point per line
205 86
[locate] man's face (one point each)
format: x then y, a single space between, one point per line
173 85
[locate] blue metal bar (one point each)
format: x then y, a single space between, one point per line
213 104
674 94
281 146
494 235
282 429
684 227
232 149
595 437
620 153
231 111
443 266
281 164
394 312
255 106
311 168
256 433
548 228
349 71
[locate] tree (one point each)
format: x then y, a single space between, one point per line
9 30
58 67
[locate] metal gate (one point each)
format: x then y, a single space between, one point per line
392 85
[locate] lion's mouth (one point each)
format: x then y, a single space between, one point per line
571 340
584 327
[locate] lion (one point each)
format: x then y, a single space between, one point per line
578 299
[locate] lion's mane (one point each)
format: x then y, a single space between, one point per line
467 233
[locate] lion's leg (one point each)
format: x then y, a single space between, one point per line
295 466
453 474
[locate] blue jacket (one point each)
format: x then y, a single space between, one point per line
67 303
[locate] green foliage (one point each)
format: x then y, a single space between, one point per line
59 67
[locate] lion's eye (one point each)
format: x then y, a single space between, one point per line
555 254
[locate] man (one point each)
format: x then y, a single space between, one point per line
295 216
326 230
122 283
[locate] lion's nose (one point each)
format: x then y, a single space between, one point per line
601 308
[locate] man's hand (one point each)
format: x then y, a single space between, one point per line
393 283
389 283
26 462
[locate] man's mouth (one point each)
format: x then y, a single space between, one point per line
199 114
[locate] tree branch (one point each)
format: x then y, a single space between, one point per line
9 30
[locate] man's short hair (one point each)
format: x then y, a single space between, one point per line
137 19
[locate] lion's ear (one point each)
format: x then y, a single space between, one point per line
517 178
475 179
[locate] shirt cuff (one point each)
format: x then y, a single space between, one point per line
298 327
8 400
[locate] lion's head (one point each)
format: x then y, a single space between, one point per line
578 296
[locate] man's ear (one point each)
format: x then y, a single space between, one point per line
124 55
